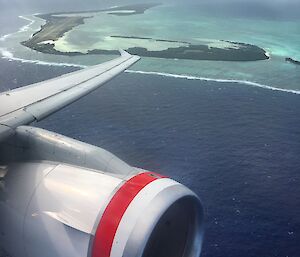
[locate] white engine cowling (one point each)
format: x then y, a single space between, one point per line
49 209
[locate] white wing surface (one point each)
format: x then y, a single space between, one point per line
35 102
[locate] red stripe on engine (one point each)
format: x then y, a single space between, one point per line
115 210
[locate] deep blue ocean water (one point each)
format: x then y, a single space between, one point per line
236 146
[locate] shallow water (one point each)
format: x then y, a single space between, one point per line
280 38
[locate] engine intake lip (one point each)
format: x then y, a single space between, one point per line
171 226
150 216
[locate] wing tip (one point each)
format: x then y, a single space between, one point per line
123 53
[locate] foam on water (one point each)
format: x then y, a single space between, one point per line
182 76
9 56
4 37
26 27
22 29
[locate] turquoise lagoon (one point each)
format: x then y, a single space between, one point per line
280 39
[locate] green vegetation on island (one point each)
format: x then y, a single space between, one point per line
291 60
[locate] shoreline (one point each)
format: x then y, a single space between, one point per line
57 25
64 24
10 57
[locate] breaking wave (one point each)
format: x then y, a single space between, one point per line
6 54
245 82
9 56
22 29
4 37
26 27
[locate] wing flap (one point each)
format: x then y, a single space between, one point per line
16 118
44 108
35 102
21 97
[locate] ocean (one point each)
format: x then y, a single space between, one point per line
237 146
229 131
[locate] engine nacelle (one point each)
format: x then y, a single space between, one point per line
49 209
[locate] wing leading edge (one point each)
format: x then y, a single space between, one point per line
35 102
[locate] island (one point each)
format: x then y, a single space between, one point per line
290 60
57 24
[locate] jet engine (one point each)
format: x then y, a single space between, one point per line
62 197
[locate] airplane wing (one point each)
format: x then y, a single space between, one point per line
25 105
63 197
